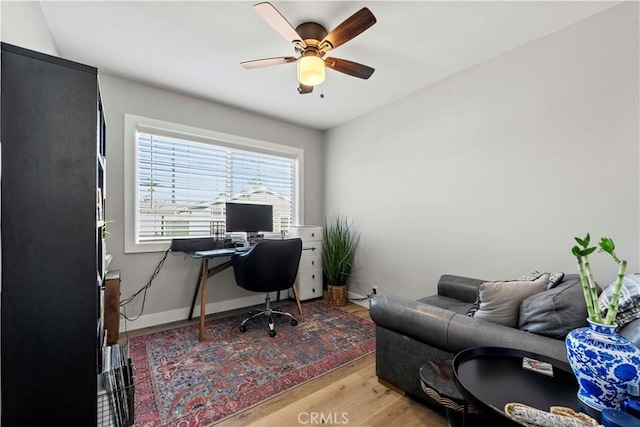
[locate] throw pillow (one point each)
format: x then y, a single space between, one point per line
554 280
525 277
500 301
530 276
555 312
628 302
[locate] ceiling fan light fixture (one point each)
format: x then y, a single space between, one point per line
310 70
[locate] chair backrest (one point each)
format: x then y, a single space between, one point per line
271 265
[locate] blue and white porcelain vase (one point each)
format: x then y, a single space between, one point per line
603 363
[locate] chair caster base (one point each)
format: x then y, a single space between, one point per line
294 322
272 334
243 328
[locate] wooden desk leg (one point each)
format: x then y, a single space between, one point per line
195 293
295 293
203 298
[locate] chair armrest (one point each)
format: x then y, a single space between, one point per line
458 287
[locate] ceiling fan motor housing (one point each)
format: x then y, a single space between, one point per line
311 42
312 33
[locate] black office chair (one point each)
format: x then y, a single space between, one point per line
270 266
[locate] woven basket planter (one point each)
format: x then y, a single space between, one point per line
337 295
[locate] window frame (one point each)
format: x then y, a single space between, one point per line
134 123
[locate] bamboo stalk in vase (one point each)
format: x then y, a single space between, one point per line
586 291
592 291
613 305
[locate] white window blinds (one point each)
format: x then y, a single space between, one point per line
182 186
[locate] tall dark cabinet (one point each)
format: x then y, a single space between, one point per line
52 151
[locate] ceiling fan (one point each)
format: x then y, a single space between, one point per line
311 42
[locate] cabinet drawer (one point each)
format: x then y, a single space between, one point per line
309 277
308 284
306 233
311 248
310 261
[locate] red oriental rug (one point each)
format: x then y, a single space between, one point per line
183 382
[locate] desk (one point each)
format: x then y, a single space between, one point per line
206 272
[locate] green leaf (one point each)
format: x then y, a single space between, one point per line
576 251
583 242
339 249
588 251
607 245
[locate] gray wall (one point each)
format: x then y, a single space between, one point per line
492 172
170 295
23 24
489 173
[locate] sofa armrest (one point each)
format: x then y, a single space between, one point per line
423 322
631 331
453 332
461 288
465 332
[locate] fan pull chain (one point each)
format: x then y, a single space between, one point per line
322 90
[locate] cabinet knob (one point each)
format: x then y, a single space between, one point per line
313 262
313 276
313 234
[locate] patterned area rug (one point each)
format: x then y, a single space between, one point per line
183 382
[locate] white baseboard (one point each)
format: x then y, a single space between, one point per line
156 319
353 296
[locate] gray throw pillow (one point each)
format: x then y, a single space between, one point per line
500 301
554 280
555 312
530 276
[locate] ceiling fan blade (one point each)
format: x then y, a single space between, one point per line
350 28
278 22
267 62
349 67
302 89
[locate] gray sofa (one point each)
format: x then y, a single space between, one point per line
410 333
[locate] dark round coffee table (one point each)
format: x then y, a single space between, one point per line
436 380
491 377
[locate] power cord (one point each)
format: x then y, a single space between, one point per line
371 295
144 289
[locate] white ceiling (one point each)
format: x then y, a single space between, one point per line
196 47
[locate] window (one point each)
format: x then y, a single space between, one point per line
183 177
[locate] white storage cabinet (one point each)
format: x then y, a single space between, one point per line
309 279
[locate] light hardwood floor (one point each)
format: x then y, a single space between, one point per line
348 396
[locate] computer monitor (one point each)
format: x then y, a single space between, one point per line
249 218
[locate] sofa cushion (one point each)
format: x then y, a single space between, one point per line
555 312
500 301
447 303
